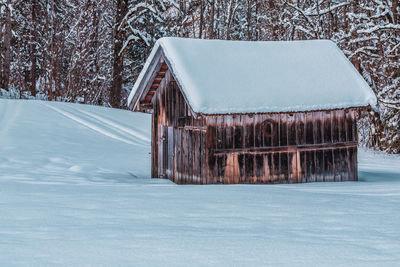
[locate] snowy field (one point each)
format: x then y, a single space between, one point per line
74 190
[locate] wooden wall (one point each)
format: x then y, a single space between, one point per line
249 148
282 148
179 139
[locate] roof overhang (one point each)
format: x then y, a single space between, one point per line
146 82
153 78
218 88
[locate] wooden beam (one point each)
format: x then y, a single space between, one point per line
161 74
146 106
291 112
158 60
285 149
194 128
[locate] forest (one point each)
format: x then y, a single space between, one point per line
91 51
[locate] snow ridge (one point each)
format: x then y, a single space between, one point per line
102 129
116 126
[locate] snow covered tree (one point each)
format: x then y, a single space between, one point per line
372 43
138 25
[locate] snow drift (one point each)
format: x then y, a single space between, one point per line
74 190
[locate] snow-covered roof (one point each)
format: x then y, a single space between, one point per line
218 76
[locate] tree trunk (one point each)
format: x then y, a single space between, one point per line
1 58
96 88
115 94
230 18
7 53
212 14
394 11
201 19
249 33
51 22
32 45
258 32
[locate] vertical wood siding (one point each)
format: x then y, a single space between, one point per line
282 148
178 139
300 147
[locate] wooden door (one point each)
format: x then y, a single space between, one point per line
166 155
170 153
163 152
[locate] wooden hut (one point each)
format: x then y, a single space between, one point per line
251 112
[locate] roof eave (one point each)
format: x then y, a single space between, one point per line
134 105
284 112
167 61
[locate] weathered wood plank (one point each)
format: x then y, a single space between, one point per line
291 129
258 131
270 130
165 152
343 165
283 129
335 127
318 127
327 121
192 163
304 169
309 128
179 156
248 122
320 168
232 173
259 169
154 144
337 165
284 167
268 168
170 155
276 171
311 166
210 146
220 132
249 168
190 153
349 126
238 131
242 174
300 128
176 156
328 165
228 124
285 149
291 168
341 125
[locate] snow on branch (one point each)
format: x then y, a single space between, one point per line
302 12
366 50
389 26
326 10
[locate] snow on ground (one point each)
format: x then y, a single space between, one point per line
74 190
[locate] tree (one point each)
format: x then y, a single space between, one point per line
139 25
6 47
